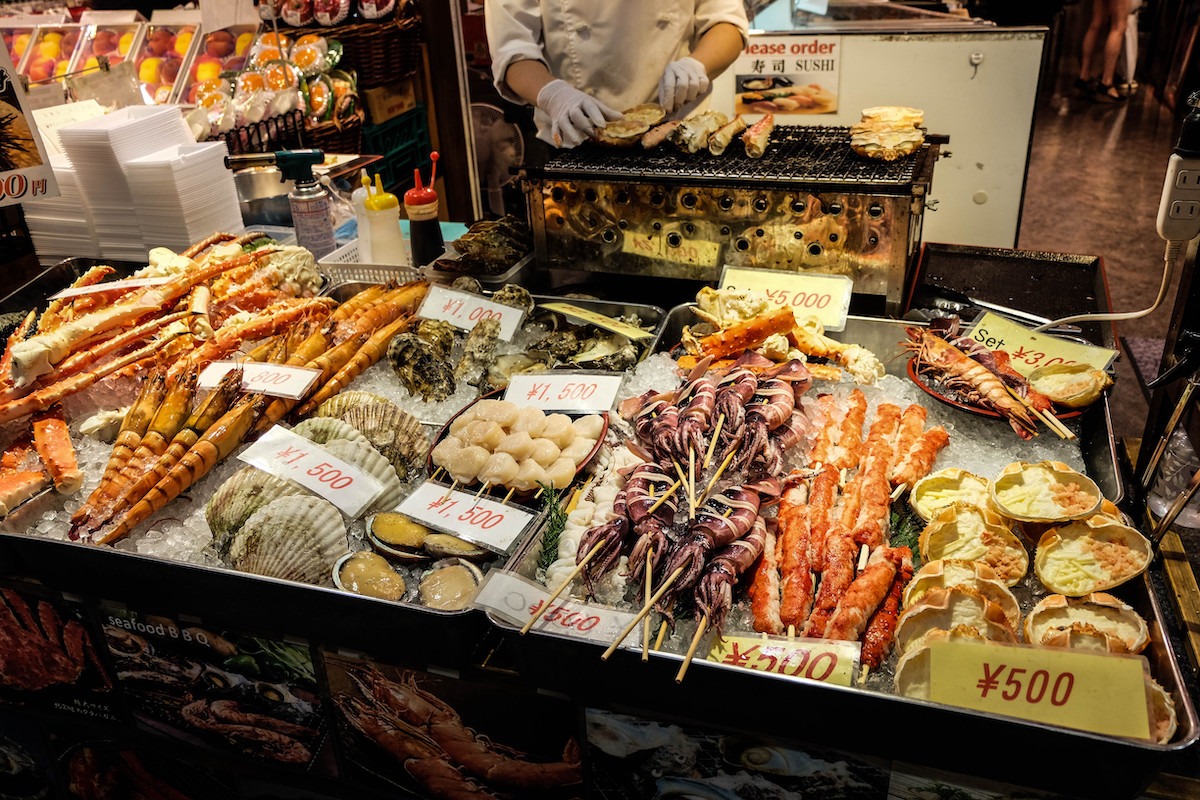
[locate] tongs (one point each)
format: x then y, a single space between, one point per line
949 299
1189 361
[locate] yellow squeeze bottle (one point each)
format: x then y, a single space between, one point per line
383 213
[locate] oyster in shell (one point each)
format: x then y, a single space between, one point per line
293 538
238 498
558 344
326 429
465 283
395 433
505 367
439 334
608 351
423 372
337 405
479 351
510 294
372 462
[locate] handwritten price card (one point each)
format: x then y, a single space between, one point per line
276 380
599 320
464 310
516 599
108 286
1101 693
696 252
814 659
288 455
485 522
564 391
826 297
1031 350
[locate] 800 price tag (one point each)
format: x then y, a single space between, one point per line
485 522
564 391
465 310
1098 692
289 455
277 380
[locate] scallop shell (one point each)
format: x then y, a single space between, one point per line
245 492
371 461
292 538
337 405
326 429
395 433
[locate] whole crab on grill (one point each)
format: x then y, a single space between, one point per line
40 651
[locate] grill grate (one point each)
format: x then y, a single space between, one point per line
797 154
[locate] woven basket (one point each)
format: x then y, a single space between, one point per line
380 52
342 134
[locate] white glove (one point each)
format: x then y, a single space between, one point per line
574 115
682 82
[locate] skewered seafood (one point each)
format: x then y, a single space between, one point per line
714 590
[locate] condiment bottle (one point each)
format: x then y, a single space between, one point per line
359 198
421 206
383 214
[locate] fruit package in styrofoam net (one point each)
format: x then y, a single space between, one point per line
48 53
164 55
113 42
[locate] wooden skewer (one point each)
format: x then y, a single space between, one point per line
692 475
1052 422
646 621
663 499
482 489
435 474
691 497
449 491
691 653
898 491
612 648
562 587
712 444
662 632
507 496
717 475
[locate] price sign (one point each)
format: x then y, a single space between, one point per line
276 380
599 320
564 391
108 286
813 659
516 599
697 252
1031 350
485 522
1098 692
289 455
826 297
464 310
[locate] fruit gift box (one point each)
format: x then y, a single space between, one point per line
161 59
219 51
113 41
16 41
48 53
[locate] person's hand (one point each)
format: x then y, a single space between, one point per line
682 82
574 115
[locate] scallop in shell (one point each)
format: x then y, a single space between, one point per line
372 462
326 429
246 491
292 538
337 405
392 431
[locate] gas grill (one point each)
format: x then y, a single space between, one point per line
810 204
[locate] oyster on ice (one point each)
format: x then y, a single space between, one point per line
510 294
479 351
607 351
423 372
438 334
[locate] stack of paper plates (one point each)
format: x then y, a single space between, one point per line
61 227
183 193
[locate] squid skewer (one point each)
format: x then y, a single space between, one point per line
651 506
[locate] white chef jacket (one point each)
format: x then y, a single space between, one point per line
615 50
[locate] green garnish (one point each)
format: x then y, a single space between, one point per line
260 242
906 530
556 521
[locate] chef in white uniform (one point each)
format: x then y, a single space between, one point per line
581 62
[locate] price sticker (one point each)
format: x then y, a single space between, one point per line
109 286
697 252
516 599
811 659
564 391
465 310
1029 350
288 455
826 297
599 320
1097 692
483 521
277 380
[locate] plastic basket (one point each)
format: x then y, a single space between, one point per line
381 52
343 266
404 144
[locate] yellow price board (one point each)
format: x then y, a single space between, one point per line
1098 692
599 320
814 659
826 297
697 252
1031 350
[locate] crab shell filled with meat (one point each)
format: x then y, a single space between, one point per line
1048 491
1090 555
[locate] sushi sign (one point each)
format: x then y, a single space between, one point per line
788 75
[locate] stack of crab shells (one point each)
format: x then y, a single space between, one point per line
274 527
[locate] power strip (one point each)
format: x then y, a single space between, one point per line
1179 209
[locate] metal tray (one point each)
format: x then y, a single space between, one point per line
852 718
